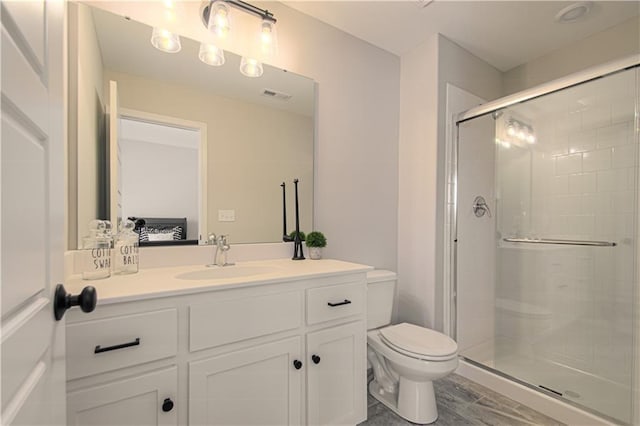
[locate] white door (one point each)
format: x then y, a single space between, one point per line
261 385
32 212
143 400
336 375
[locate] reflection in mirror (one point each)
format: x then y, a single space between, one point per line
159 163
258 133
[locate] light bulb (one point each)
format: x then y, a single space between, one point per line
169 10
267 37
165 40
250 67
219 19
211 55
511 129
531 138
521 135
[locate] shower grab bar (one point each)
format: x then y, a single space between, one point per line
562 242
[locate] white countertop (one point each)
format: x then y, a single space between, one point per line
162 282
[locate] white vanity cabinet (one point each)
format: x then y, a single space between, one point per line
289 352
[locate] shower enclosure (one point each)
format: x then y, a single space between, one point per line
545 241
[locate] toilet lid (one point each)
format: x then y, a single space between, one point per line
419 342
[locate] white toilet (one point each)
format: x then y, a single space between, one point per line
405 358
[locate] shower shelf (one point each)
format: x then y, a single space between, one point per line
561 242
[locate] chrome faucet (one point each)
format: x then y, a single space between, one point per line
221 248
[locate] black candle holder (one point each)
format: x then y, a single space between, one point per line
285 235
297 241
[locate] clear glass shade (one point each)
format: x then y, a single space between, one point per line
219 22
250 67
165 40
211 55
268 39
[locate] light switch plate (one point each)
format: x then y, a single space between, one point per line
226 215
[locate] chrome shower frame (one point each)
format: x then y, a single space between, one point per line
451 214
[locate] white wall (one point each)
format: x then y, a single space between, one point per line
356 152
160 181
613 43
424 74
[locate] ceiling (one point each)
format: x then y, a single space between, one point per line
503 33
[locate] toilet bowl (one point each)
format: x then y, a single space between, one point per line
405 358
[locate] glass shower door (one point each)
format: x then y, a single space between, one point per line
545 285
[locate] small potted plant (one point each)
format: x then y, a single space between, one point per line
315 241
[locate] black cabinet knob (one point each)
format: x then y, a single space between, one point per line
297 364
62 300
167 405
315 358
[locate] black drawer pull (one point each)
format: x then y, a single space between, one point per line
346 302
98 349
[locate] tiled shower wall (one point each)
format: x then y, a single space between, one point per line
579 182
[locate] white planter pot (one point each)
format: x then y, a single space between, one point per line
315 253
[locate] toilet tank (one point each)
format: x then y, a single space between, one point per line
381 288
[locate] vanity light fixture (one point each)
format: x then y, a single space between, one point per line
215 16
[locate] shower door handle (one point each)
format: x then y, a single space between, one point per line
480 207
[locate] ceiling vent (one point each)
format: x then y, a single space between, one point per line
270 93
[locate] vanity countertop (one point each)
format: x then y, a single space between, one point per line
162 282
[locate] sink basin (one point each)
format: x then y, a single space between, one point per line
216 273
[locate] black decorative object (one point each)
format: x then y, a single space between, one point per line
297 364
62 300
285 236
346 302
297 241
315 358
167 405
99 350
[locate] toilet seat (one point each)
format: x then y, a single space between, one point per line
419 342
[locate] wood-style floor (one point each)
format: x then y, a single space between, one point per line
463 402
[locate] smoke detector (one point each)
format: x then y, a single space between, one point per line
270 93
574 12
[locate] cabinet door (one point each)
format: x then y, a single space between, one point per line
336 375
139 400
255 386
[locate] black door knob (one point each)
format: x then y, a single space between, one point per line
62 300
315 358
167 405
297 364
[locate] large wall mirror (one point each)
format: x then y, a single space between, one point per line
193 141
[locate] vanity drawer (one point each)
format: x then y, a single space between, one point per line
108 344
224 321
334 302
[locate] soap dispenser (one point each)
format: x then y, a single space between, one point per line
96 251
126 249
